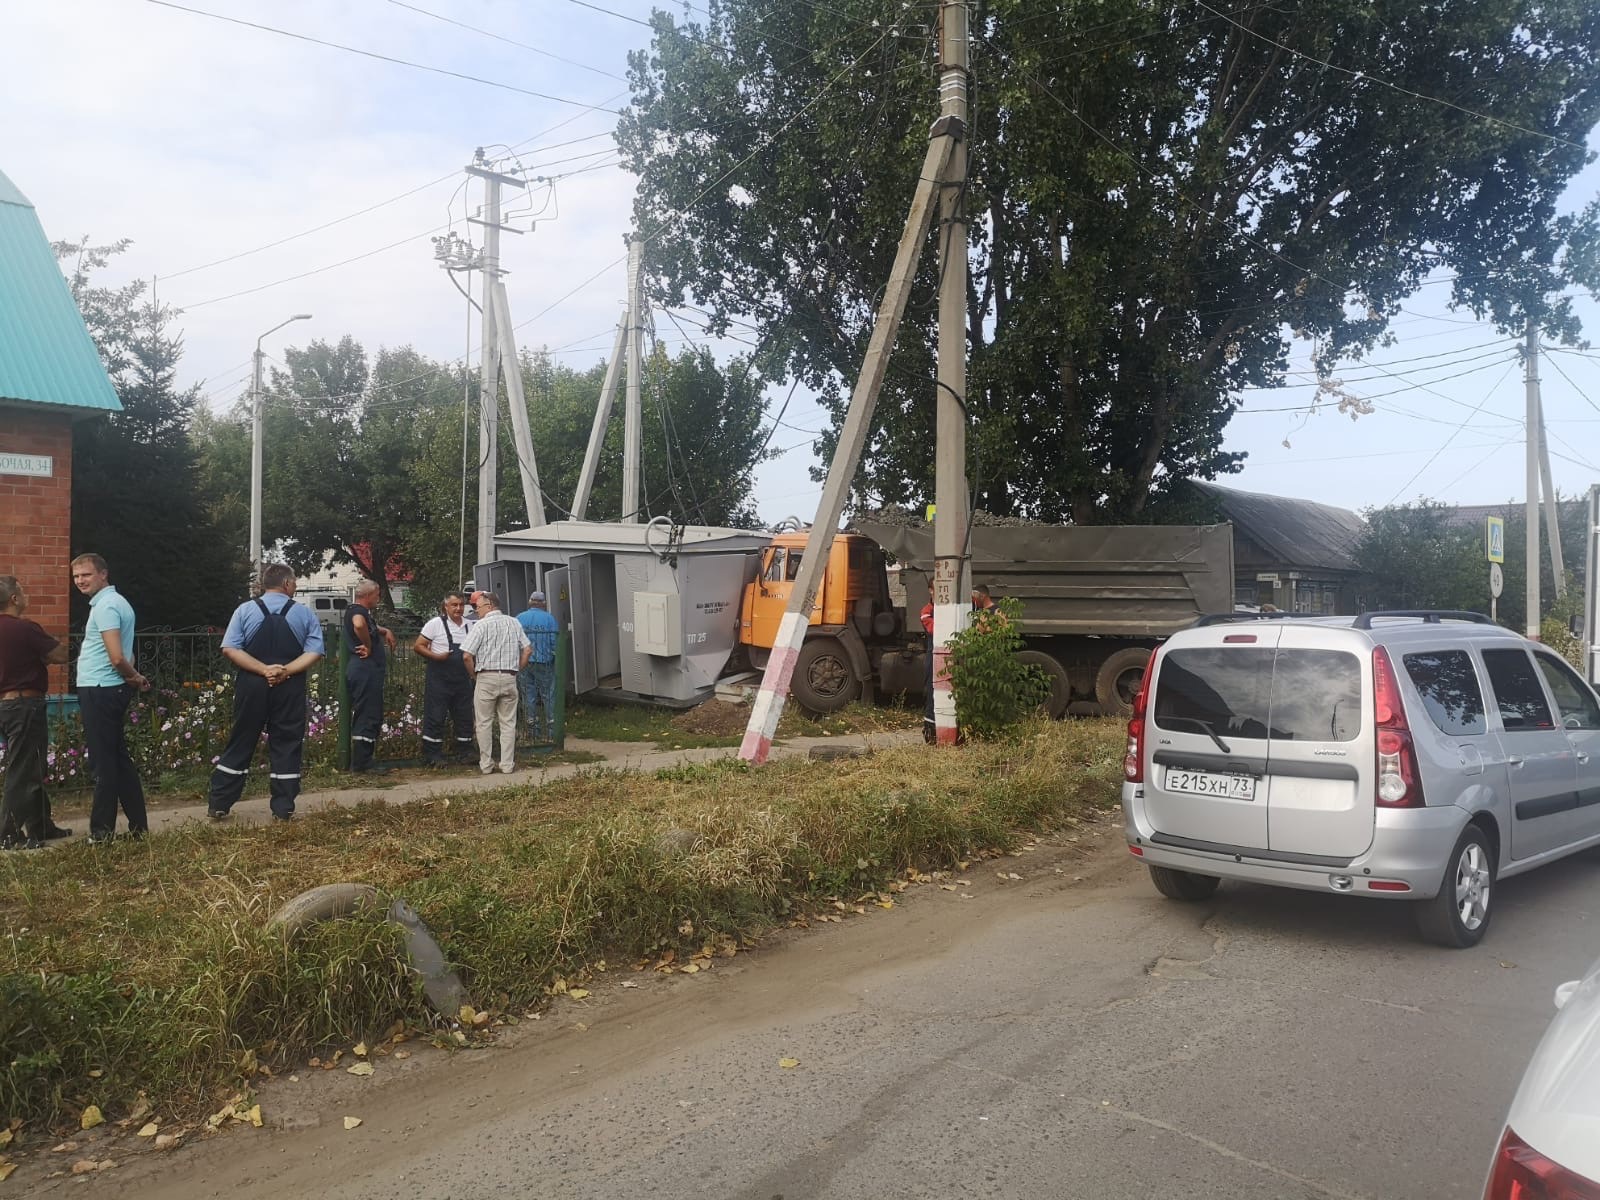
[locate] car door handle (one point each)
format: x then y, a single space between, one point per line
1513 761
1583 758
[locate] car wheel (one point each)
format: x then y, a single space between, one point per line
1459 915
1183 885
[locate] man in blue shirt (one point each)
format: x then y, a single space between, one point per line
107 682
538 678
274 642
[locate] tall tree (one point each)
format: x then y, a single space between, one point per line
136 492
1159 195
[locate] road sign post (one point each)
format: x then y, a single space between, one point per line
1494 549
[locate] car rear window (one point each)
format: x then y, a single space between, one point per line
1259 691
1449 689
1517 691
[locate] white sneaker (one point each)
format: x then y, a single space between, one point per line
486 770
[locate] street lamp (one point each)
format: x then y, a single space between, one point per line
255 451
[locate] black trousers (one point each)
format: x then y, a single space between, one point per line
24 811
446 696
365 681
116 779
281 711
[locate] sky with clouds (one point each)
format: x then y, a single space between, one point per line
202 141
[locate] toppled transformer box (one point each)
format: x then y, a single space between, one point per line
653 609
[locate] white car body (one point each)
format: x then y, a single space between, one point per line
1555 1115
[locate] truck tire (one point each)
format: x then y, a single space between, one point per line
1060 686
1117 682
823 679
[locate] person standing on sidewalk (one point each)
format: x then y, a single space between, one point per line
447 688
107 683
273 642
369 644
495 651
538 678
26 651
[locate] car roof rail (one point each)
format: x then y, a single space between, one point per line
1428 616
1226 618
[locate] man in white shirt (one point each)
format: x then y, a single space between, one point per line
447 688
495 650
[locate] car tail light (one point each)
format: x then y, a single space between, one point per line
1521 1173
1399 780
1133 761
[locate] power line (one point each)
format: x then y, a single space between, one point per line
1453 435
402 62
499 38
1363 75
1563 373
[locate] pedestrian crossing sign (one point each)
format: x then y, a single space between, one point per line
1494 539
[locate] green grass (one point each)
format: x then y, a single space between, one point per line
664 727
147 966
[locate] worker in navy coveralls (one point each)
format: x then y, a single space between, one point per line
274 642
447 688
369 644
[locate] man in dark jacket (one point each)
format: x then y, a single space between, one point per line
366 668
274 642
26 653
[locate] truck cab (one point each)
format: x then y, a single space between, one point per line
850 623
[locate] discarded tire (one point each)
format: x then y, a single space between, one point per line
334 901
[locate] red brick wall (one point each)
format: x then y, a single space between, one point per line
36 518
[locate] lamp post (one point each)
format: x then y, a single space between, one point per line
255 451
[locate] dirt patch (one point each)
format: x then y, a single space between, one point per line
714 718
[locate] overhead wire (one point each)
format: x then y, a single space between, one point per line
1453 435
571 62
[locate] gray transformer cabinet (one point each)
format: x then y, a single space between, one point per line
653 609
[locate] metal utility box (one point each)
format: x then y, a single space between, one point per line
653 609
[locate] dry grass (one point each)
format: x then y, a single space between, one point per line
149 961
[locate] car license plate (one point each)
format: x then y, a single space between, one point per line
1210 783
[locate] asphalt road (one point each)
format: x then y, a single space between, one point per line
1068 1034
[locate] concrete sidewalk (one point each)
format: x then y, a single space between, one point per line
633 756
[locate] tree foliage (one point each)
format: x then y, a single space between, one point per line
1159 194
367 461
136 495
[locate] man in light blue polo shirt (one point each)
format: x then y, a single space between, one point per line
107 682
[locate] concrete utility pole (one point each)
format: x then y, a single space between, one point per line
256 450
946 133
1552 525
633 412
1534 432
498 347
952 574
602 418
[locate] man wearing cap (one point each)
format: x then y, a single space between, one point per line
538 678
494 652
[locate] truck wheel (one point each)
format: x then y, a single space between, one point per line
1060 686
823 681
1117 682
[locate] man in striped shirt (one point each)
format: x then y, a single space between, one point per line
495 650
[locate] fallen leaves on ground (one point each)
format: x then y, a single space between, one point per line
577 993
166 1141
788 1064
6 1168
91 1117
352 1122
148 1130
361 1050
361 1068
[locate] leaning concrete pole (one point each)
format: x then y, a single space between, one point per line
633 411
847 455
602 419
952 574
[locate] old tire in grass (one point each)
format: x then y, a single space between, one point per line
1117 682
1183 885
824 681
1060 685
326 903
334 901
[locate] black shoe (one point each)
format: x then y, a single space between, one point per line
283 816
101 838
136 835
21 843
374 769
218 814
57 831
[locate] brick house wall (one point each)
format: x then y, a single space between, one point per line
36 518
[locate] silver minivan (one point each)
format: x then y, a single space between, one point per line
1416 755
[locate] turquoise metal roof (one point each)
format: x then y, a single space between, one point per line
46 353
